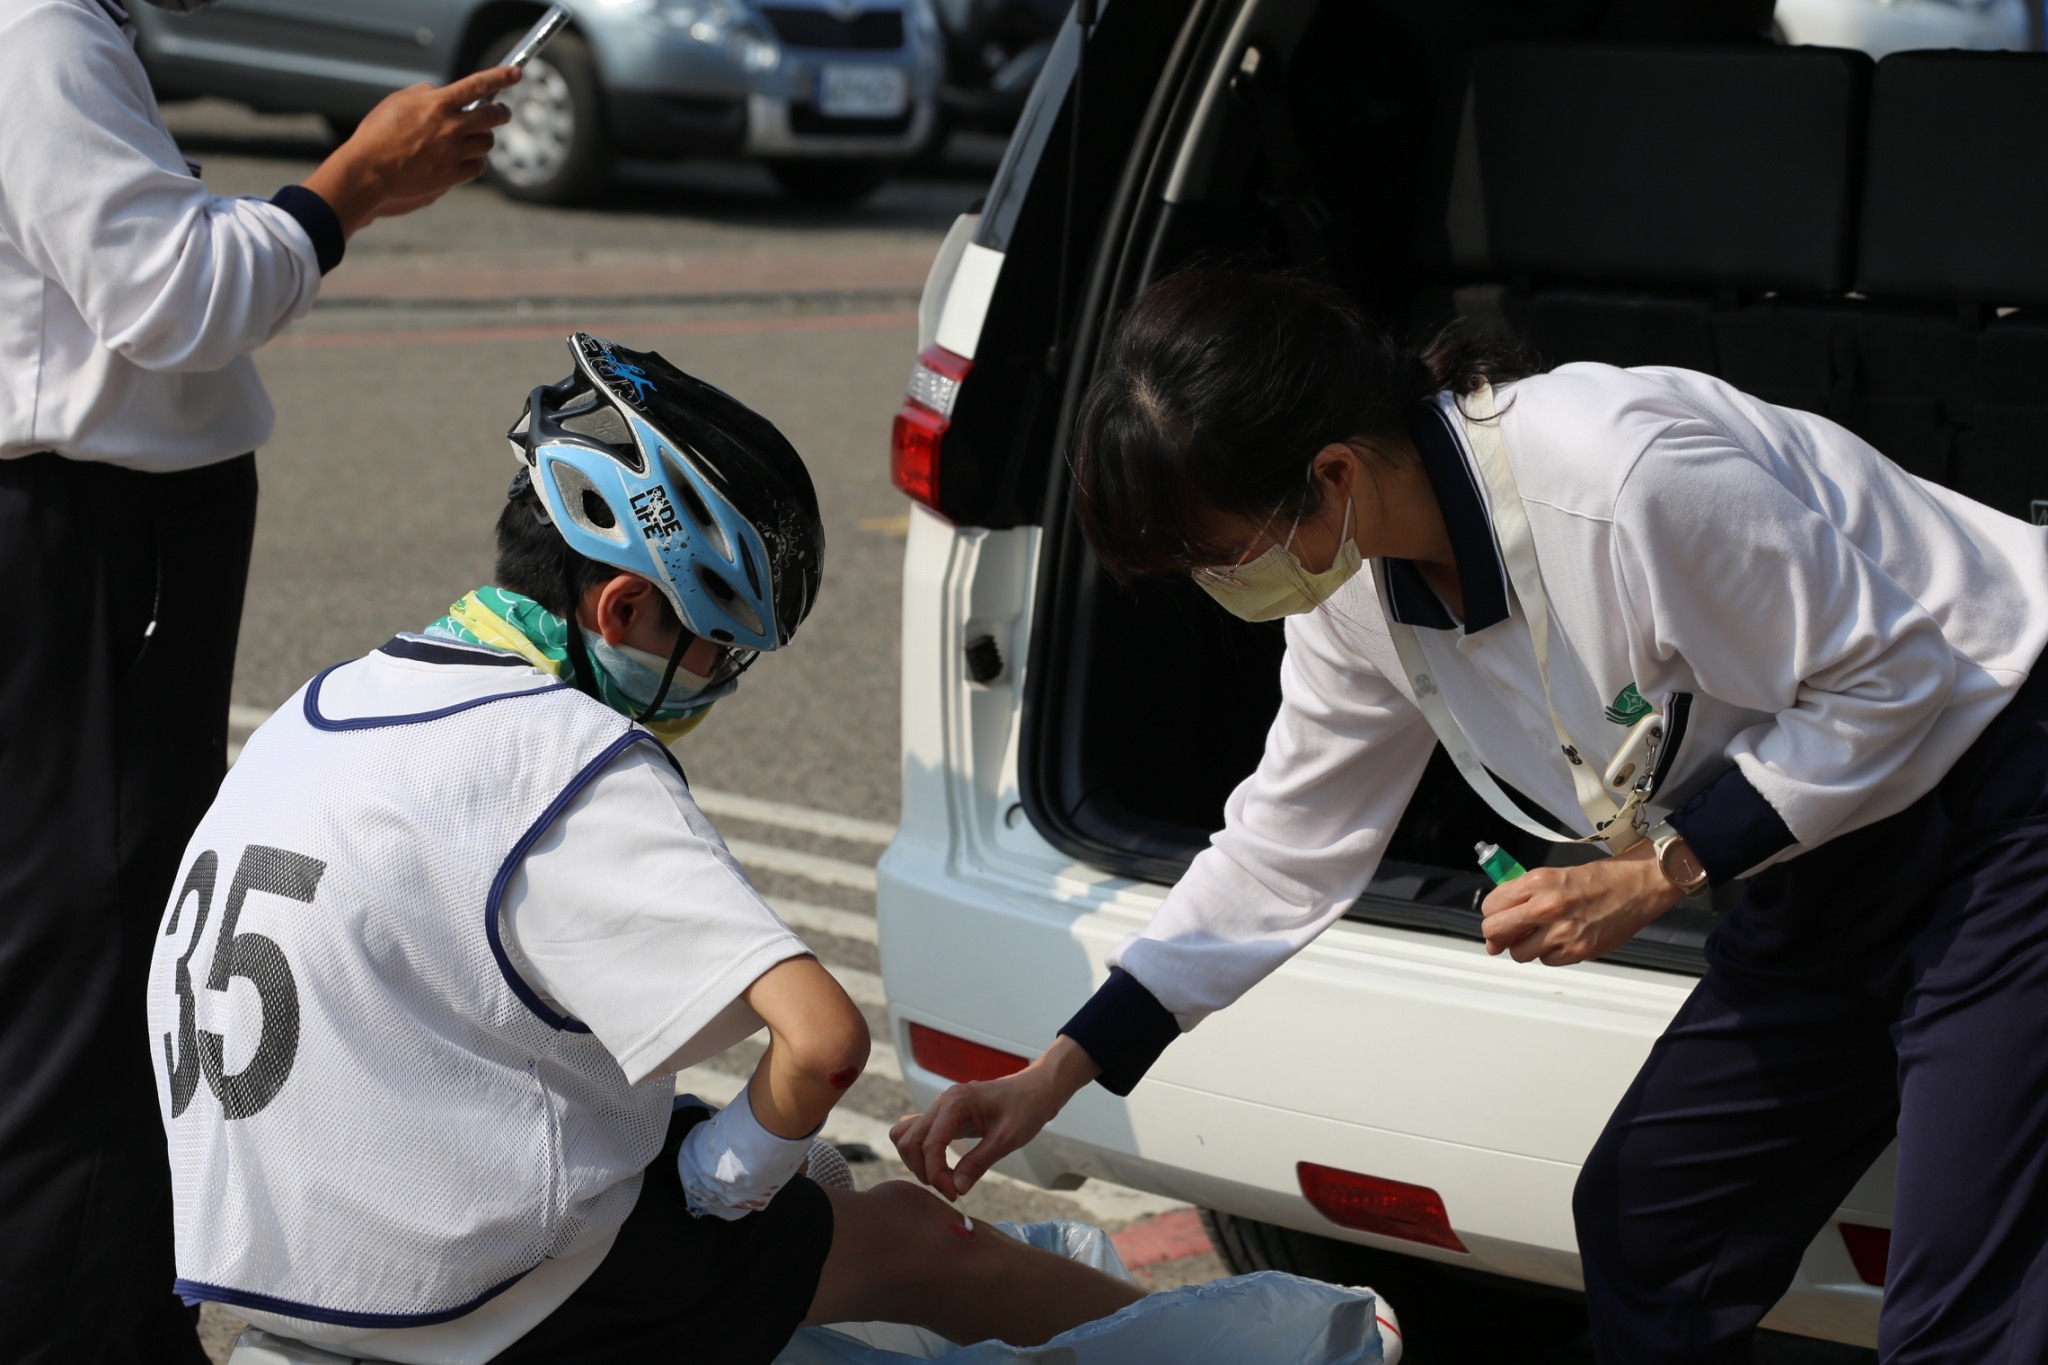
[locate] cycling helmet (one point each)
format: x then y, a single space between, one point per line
657 473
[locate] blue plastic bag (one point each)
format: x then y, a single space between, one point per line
1269 1316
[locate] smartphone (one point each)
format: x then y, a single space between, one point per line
537 37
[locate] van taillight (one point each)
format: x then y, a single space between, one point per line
1869 1249
922 421
1414 1213
959 1060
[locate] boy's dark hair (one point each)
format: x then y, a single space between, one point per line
534 560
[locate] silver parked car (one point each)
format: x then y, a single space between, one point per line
830 93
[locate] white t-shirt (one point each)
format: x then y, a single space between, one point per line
629 915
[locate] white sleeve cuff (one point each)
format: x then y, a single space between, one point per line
730 1165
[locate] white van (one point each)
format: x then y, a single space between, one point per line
1393 1106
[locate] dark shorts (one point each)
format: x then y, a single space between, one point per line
677 1288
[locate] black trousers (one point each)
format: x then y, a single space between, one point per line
1892 981
674 1288
124 597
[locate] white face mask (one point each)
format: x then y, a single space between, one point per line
637 675
1275 584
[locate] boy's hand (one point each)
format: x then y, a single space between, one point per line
1005 1114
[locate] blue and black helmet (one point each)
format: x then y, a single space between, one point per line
649 470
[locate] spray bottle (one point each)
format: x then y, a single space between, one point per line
1497 863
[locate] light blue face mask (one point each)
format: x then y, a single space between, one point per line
637 676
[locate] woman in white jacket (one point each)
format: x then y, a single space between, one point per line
1721 639
131 297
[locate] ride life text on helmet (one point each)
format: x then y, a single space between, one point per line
652 471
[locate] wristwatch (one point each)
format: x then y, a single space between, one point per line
1675 859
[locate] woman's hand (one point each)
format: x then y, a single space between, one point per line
1562 915
1005 1114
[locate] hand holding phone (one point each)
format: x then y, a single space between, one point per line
544 29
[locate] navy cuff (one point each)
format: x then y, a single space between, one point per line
1730 828
317 217
1124 1028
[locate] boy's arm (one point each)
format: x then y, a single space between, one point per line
736 1161
817 1046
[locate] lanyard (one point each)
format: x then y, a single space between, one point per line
1614 825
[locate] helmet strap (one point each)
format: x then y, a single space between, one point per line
579 657
668 676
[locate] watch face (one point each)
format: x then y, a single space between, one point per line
1680 866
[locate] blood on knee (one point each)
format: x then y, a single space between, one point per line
843 1077
964 1228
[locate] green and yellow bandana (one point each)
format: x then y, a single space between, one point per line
515 623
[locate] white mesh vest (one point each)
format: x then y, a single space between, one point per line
373 1120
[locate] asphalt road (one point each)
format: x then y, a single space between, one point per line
389 463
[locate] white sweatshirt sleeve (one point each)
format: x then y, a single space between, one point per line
1302 835
1774 610
94 194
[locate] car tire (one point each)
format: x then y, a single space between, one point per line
1448 1316
833 181
557 149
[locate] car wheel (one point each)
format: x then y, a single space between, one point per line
1448 1316
556 149
830 181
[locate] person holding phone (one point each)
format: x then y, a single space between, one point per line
131 297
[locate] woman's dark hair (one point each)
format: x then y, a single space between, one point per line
534 560
1216 392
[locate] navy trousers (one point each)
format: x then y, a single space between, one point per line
124 595
1893 981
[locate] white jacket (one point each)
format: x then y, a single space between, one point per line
1842 630
130 294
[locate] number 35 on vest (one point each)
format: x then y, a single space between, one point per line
195 1054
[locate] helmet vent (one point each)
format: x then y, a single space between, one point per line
735 605
747 563
604 425
694 505
585 506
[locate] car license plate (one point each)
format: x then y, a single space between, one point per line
862 92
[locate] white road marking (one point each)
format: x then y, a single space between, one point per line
823 919
1099 1201
803 819
812 867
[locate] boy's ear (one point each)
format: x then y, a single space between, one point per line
622 608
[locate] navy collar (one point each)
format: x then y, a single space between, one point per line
1482 575
437 651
